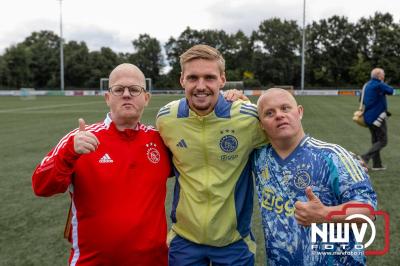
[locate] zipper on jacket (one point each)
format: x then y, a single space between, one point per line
204 144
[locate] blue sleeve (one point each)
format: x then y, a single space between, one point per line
349 180
385 89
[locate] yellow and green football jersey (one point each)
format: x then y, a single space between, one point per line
213 196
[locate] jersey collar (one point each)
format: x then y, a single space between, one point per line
294 152
108 121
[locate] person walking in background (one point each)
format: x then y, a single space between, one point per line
375 115
116 173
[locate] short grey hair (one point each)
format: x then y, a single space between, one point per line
376 72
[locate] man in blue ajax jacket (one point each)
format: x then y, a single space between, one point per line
375 114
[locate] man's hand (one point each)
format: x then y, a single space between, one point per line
84 141
234 95
312 211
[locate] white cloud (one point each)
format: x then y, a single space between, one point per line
23 29
96 37
240 15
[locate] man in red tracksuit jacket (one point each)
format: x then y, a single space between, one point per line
116 173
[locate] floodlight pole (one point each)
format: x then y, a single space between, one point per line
303 45
61 51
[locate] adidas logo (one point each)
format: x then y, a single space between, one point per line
106 159
182 144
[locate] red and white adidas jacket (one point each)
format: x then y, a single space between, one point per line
118 194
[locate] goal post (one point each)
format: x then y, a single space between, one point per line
149 85
104 84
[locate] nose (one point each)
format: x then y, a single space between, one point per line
126 92
279 114
201 84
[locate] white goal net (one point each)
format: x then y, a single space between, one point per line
27 94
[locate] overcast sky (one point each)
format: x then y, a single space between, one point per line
115 23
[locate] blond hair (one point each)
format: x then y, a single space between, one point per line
202 51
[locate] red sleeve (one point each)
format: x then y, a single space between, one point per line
53 175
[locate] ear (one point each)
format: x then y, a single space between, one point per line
300 110
181 79
147 97
223 79
107 98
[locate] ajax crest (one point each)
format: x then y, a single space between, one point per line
152 153
228 143
302 179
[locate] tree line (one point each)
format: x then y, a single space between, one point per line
338 53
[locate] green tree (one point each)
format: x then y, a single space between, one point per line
338 53
331 51
175 47
276 49
44 64
238 55
379 43
77 69
101 64
3 73
235 48
16 67
360 70
148 56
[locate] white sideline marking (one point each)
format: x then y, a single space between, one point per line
25 109
47 107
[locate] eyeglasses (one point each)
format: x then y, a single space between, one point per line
119 90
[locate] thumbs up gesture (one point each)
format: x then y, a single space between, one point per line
311 211
84 141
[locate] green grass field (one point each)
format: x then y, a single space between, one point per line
31 228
